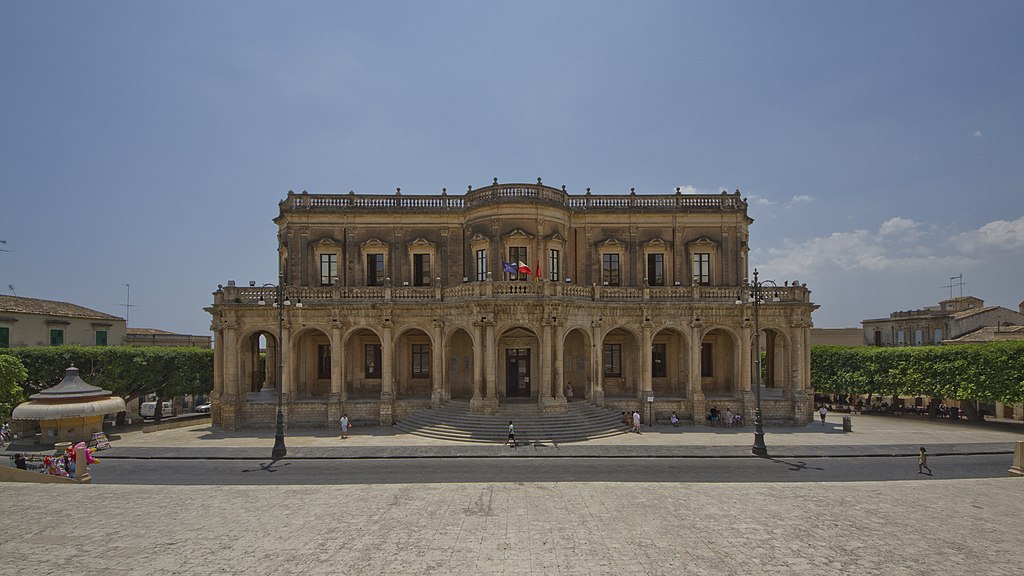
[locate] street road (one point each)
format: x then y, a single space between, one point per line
436 470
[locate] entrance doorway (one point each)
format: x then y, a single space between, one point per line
517 372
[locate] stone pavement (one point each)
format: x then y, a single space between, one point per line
909 528
871 436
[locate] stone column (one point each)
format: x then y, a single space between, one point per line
387 385
646 387
596 364
437 373
695 389
559 347
334 407
746 365
489 361
289 380
478 365
229 396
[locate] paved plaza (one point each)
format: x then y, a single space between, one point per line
925 526
913 527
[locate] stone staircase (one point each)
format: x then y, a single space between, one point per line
453 421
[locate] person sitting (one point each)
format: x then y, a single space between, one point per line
728 417
674 419
737 420
713 415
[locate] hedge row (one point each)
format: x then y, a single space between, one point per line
990 372
126 371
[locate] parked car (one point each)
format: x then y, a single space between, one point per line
203 408
148 409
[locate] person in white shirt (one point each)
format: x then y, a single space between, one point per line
636 422
345 425
675 420
822 412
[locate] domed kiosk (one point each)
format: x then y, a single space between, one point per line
70 411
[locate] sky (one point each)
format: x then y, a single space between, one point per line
144 145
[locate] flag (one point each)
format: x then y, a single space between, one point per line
509 267
536 271
523 268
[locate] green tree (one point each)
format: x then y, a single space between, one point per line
12 374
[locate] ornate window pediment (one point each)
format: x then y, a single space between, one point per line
421 243
518 234
656 244
702 242
611 244
326 244
479 238
557 238
374 244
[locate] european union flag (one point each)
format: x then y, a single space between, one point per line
509 267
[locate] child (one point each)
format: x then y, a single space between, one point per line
345 425
922 462
511 435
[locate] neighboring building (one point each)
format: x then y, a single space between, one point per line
998 333
508 294
154 337
931 326
34 322
837 336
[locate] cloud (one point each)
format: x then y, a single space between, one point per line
688 189
897 226
977 134
799 199
760 200
1001 235
887 250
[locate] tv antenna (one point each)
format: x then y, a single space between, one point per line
959 283
127 304
11 287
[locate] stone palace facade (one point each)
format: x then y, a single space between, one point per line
510 293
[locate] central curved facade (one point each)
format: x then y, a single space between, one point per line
511 293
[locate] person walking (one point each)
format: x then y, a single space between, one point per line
511 435
922 462
345 425
822 412
636 422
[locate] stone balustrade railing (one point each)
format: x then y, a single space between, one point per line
510 192
245 295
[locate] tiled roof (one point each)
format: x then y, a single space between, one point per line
973 311
990 334
148 332
24 305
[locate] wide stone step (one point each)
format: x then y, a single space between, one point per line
454 421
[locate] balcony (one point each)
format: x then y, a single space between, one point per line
528 290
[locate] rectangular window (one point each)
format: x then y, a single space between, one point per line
323 361
421 269
613 360
371 365
553 265
374 269
918 337
656 269
421 360
610 269
5 337
659 369
481 265
517 254
56 337
878 337
901 339
101 337
707 361
938 336
328 269
702 269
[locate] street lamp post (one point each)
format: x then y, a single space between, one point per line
757 295
280 301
